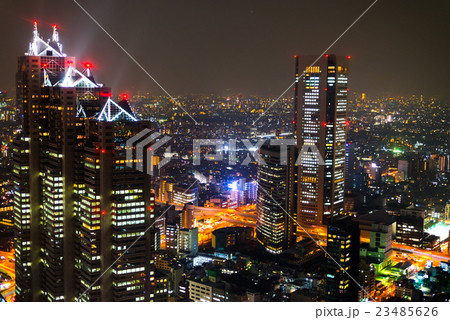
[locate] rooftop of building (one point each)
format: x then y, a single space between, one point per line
376 216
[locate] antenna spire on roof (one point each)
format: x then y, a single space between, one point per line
33 49
55 35
55 38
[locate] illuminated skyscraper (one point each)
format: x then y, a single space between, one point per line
115 208
320 106
275 230
49 91
61 109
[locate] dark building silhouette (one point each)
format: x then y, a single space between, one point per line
342 253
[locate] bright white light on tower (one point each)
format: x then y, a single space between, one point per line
233 185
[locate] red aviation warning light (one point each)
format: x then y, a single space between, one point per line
103 212
324 124
88 66
349 57
125 96
35 22
326 56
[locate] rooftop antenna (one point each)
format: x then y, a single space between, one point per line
55 37
33 45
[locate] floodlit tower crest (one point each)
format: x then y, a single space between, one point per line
38 47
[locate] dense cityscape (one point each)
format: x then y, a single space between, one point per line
323 194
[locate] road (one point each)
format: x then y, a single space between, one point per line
246 216
8 267
433 255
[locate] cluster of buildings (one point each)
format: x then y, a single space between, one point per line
329 210
329 181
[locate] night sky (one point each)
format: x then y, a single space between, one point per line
239 46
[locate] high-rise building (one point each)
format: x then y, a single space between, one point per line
275 229
187 216
165 188
251 191
342 259
378 226
72 188
403 169
411 227
182 194
447 212
115 208
188 241
171 234
320 105
50 91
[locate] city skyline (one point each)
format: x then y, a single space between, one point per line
260 68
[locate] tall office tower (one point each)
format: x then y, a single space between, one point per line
343 253
115 210
320 104
35 99
49 164
275 230
49 91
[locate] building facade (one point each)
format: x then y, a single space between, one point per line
320 105
342 260
188 241
77 206
275 228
